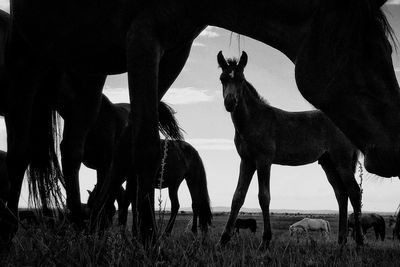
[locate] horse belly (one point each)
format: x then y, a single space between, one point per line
297 155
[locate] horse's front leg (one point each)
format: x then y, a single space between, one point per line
79 117
264 197
247 169
143 58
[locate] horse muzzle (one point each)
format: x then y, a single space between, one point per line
382 161
230 103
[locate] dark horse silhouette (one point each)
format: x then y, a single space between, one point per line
265 135
248 223
368 221
182 162
101 137
340 48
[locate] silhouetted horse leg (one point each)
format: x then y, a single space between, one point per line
131 190
264 197
121 205
376 231
143 58
194 220
18 124
247 169
123 208
173 196
353 190
341 196
76 127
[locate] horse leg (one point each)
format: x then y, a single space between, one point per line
173 196
20 102
77 123
123 206
247 169
264 198
143 59
194 221
340 194
353 190
131 197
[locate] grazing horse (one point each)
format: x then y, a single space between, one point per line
104 135
266 135
249 223
182 162
368 221
341 50
308 224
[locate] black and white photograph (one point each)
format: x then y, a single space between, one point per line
199 133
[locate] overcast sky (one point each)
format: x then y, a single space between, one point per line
197 97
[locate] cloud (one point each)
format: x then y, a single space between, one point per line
393 2
209 32
5 5
198 44
212 144
187 95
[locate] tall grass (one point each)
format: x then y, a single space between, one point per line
63 246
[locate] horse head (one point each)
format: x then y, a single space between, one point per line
108 211
232 79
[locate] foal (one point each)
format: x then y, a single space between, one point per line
265 135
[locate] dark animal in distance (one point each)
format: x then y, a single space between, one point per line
265 135
151 40
371 220
248 223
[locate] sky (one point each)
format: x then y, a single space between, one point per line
196 95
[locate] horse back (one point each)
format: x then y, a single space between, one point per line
303 137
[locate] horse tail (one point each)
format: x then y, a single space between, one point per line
197 184
167 123
44 171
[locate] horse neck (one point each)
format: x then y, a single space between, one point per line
282 24
249 108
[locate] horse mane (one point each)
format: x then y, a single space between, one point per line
255 94
348 27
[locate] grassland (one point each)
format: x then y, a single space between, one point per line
38 245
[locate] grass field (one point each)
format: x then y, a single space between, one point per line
62 246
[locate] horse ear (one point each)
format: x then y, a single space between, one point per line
221 60
243 60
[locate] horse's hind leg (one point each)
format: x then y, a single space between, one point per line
340 194
173 196
247 169
80 118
